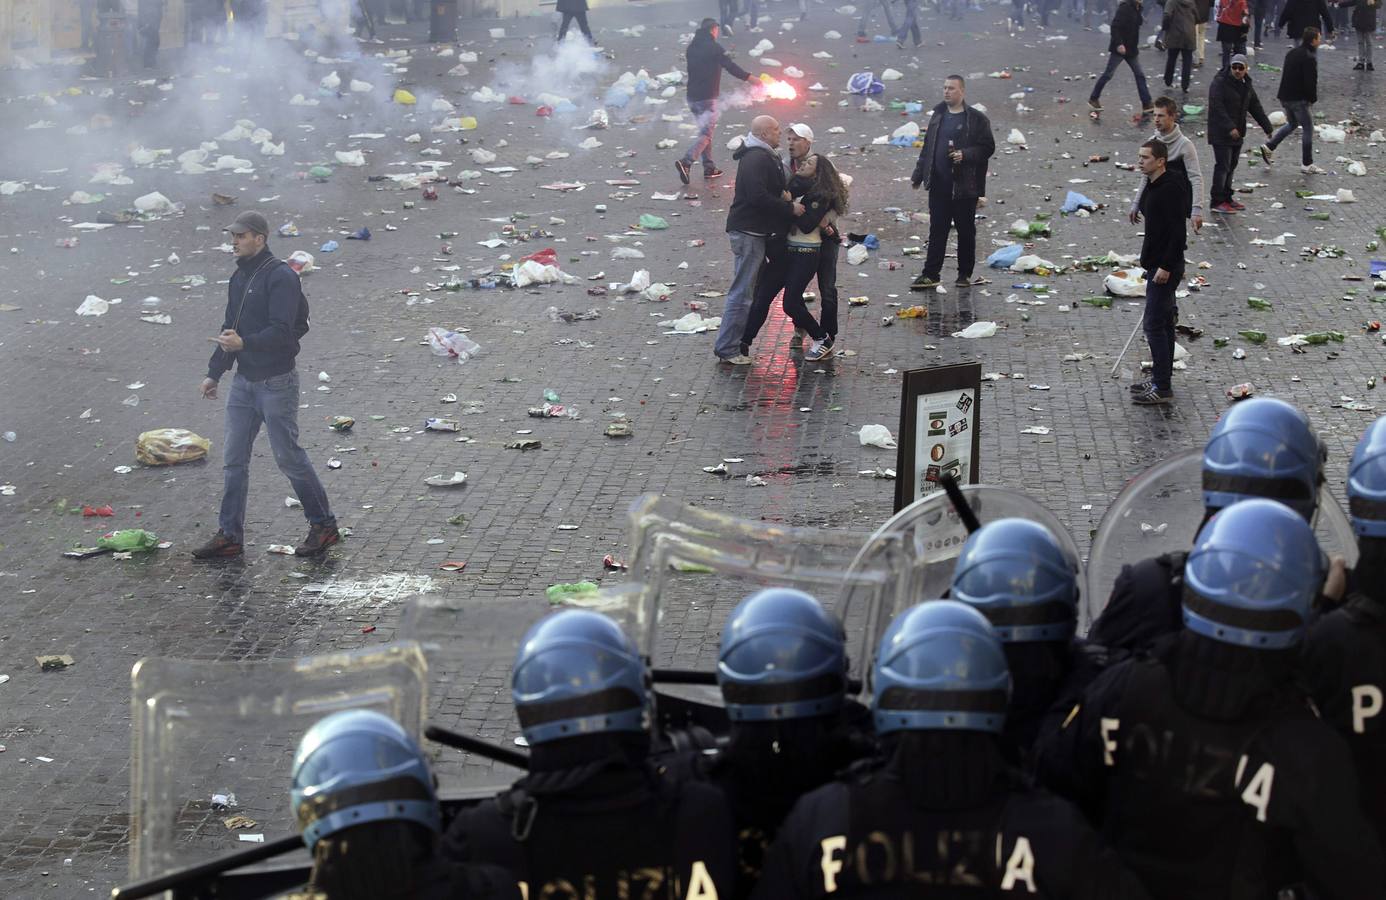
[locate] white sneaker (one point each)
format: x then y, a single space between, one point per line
1312 169
739 359
815 352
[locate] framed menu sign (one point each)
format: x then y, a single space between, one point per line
939 414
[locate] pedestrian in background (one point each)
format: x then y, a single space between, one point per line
706 60
727 11
1364 23
867 7
1299 91
1234 18
952 167
266 317
1301 14
759 211
1230 99
1203 11
1180 36
574 9
1164 204
1124 47
909 25
149 18
1182 158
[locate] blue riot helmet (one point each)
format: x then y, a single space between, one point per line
782 657
1366 484
1263 447
1015 573
577 674
941 666
360 766
1252 576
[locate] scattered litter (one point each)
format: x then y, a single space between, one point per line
452 480
977 330
876 436
49 663
170 446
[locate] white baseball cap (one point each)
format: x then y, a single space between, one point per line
802 131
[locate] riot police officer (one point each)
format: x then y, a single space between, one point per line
1204 762
595 817
939 812
1015 573
1261 447
1345 652
782 668
365 800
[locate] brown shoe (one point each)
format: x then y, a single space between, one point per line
219 547
319 538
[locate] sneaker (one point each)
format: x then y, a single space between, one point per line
924 283
1371 68
739 359
1153 396
1266 153
319 538
1160 44
816 351
219 547
709 174
1140 387
1095 105
798 339
900 43
1312 169
683 170
1227 209
727 30
968 280
1235 205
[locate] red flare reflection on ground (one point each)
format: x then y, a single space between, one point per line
780 90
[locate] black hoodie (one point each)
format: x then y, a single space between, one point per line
706 60
758 206
1165 205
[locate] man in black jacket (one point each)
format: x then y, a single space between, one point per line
706 60
952 167
1230 98
1123 47
760 210
1164 204
266 316
1301 14
1299 91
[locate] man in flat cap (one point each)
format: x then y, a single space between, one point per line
266 316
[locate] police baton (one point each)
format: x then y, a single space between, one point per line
960 504
201 875
1122 354
469 744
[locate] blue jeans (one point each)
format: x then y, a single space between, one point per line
705 111
1114 60
866 16
273 402
910 23
1297 115
749 253
1161 312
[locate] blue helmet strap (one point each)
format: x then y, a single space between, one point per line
903 699
1262 620
320 806
1283 489
826 684
1366 508
607 702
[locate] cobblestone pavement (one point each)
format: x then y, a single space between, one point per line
64 772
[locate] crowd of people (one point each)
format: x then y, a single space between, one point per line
1218 732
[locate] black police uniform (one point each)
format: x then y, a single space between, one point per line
942 817
762 784
1344 667
610 828
1214 780
1048 677
1147 603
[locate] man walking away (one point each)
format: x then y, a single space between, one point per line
706 60
1301 14
952 167
866 10
1164 203
1230 99
1180 37
1183 158
266 317
1364 23
727 12
1124 46
1299 91
574 9
758 211
909 25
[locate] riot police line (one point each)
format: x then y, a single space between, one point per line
1217 733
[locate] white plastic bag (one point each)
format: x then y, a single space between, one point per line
857 254
1016 137
93 306
1126 282
452 344
977 330
876 436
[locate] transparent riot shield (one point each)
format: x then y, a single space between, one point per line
213 743
923 541
470 643
1160 512
692 566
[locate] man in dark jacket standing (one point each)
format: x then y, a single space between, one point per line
266 316
1299 91
1123 47
1230 99
952 167
759 211
1301 14
1164 204
706 60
